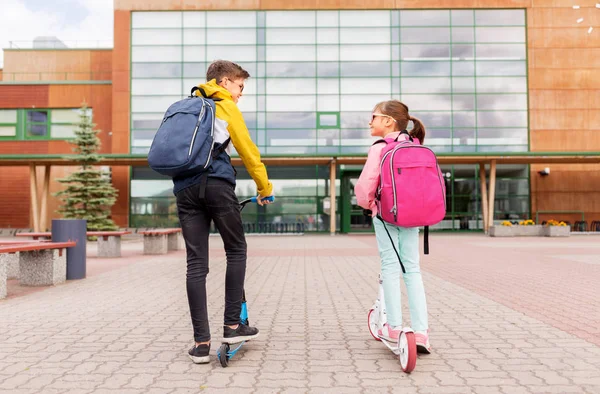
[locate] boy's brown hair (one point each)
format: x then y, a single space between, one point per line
220 69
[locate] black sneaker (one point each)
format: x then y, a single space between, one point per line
240 334
199 354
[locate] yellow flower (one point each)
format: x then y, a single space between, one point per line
506 223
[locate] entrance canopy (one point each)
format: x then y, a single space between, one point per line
482 159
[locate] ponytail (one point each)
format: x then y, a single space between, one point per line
418 130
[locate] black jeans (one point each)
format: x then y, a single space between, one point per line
195 214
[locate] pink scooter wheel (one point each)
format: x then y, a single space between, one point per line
407 346
373 325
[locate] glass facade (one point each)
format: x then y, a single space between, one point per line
316 75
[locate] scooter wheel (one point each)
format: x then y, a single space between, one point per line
407 346
373 325
223 358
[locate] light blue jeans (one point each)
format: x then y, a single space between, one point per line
406 242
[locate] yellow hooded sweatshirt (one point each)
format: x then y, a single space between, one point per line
229 123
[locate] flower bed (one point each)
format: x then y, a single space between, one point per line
527 228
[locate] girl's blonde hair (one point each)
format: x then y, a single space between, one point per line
399 111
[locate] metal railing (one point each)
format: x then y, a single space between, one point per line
56 76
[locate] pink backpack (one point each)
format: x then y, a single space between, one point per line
412 191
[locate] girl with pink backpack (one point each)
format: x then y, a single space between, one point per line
402 185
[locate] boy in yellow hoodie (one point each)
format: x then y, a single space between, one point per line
202 199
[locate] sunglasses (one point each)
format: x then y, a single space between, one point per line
241 86
387 116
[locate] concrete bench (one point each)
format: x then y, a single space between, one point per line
162 240
109 242
40 263
12 259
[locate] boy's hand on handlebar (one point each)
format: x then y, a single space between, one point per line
263 200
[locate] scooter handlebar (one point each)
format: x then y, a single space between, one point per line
270 198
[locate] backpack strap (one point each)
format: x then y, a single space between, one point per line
426 240
221 148
203 93
392 242
381 141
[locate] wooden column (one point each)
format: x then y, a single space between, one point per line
332 191
34 198
484 197
44 207
492 195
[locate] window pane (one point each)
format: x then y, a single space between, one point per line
330 120
328 102
424 102
417 69
194 53
152 104
502 68
366 86
463 34
362 52
328 86
196 70
462 17
361 102
155 86
146 121
288 69
328 69
364 18
514 136
415 51
194 37
37 130
463 68
156 37
277 103
328 53
328 36
463 119
67 116
156 19
247 103
304 53
502 101
463 85
365 69
500 17
426 85
433 119
37 116
219 19
291 137
500 51
463 52
194 18
8 116
156 70
365 36
291 19
327 18
231 36
500 34
356 119
463 102
62 131
502 119
156 54
424 34
291 36
425 18
235 53
500 84
291 120
291 86
8 131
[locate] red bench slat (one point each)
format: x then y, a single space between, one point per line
32 246
161 232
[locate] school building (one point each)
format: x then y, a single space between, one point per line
506 89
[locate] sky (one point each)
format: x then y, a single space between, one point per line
68 20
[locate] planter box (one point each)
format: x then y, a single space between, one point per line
517 231
557 231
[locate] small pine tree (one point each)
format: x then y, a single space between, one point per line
89 194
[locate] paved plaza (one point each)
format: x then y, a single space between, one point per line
518 315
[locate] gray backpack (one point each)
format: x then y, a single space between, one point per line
184 143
